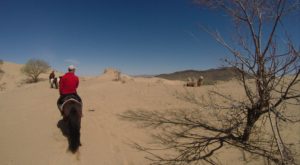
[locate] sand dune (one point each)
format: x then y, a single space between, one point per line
29 118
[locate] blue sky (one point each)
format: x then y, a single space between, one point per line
135 36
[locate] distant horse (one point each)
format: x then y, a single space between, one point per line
199 82
54 82
71 109
193 82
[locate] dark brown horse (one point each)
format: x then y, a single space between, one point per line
71 110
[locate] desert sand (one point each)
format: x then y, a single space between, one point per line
29 117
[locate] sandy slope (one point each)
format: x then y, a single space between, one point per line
29 118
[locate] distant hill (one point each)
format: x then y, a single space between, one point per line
210 76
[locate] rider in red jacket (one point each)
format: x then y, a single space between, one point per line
68 85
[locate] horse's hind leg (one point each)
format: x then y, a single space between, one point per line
51 83
74 127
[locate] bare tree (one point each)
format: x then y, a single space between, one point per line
34 67
271 59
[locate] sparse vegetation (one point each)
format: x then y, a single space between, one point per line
2 85
209 82
34 67
211 75
251 123
1 71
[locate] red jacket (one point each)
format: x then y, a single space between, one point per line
68 83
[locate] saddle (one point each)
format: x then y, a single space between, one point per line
70 102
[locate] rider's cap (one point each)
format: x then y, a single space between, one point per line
71 67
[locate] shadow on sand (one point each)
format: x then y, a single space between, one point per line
64 127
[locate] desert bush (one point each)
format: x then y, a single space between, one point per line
1 71
2 85
1 63
34 67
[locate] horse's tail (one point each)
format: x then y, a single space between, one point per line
74 128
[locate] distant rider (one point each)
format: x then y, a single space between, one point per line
51 76
68 85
